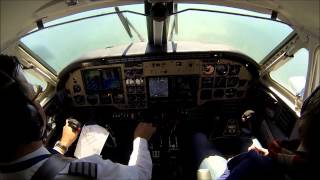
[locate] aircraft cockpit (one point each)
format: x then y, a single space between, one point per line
180 93
236 71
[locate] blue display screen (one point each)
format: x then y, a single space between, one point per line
92 80
102 79
110 79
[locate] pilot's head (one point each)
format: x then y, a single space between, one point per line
22 118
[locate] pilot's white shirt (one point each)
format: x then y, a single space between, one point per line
139 166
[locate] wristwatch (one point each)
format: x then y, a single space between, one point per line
60 146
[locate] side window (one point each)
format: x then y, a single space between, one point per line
35 79
292 75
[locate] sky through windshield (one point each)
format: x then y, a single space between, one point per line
61 45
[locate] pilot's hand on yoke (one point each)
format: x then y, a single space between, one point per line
69 135
144 130
258 149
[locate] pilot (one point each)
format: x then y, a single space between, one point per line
23 125
286 159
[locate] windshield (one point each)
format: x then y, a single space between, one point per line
60 45
251 36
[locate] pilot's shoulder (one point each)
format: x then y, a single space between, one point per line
86 169
90 167
79 169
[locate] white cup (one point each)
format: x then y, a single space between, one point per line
203 174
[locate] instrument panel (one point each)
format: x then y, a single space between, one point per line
139 85
177 92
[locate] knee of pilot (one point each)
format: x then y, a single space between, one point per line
258 159
216 166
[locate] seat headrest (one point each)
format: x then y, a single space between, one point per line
313 101
6 80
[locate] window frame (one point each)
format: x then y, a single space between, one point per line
38 69
291 58
293 101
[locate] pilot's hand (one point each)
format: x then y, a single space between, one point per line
144 130
258 149
68 135
274 148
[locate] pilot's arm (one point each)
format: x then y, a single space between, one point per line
140 157
139 166
68 137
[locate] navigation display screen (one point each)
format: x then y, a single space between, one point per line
92 80
102 79
158 87
110 78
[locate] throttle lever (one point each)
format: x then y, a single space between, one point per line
248 121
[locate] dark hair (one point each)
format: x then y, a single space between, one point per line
310 127
21 122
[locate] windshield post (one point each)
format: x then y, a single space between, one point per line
174 27
159 13
127 24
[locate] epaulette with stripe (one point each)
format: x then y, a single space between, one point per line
86 169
